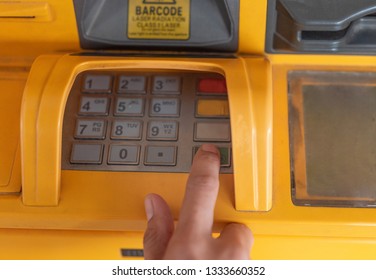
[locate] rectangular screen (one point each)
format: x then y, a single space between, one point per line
332 118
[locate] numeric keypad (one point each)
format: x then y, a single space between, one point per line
144 120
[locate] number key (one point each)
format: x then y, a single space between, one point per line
126 130
164 107
132 84
124 154
90 129
166 84
162 130
129 106
97 83
94 106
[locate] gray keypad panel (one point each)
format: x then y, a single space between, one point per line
143 121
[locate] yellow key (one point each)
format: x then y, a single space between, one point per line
212 108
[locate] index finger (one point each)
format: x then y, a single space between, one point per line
197 211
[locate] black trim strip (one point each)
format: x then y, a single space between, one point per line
147 54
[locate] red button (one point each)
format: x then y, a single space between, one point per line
212 86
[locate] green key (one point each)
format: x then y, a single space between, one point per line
224 155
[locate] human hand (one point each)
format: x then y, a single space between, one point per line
192 238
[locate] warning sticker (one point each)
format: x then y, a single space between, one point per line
158 19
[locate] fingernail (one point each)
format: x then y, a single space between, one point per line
210 148
149 209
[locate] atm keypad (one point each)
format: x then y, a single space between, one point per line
145 120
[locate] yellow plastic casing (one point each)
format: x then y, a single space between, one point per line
31 28
106 206
13 77
85 200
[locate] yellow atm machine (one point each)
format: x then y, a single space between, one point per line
105 101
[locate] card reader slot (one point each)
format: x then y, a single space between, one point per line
322 26
359 32
323 35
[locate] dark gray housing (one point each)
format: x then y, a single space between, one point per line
214 26
321 26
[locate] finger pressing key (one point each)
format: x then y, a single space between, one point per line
197 211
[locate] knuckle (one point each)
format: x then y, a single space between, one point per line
243 229
241 235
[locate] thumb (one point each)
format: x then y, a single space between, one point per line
236 241
159 229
